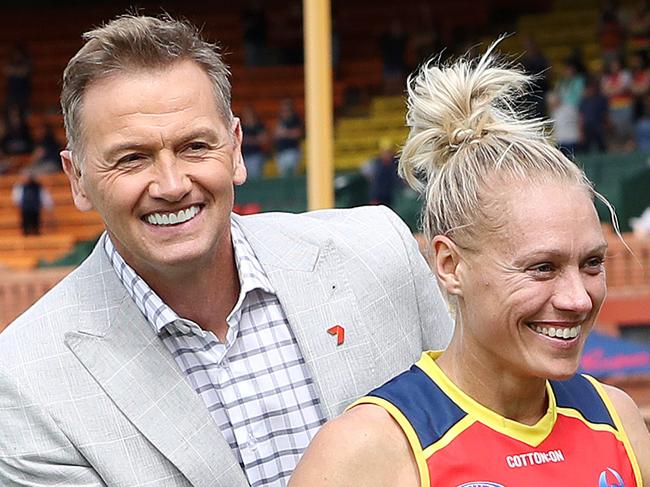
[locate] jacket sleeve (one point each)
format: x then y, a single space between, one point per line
33 450
435 321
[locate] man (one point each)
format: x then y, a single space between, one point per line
381 173
195 347
288 132
31 197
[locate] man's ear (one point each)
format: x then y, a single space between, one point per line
81 200
239 168
446 264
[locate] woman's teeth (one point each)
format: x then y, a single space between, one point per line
553 332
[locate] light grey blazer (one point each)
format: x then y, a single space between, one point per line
89 395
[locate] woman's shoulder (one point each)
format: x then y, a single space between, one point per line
634 426
362 447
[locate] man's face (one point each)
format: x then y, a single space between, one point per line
158 165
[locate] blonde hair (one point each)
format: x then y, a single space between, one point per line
468 135
133 43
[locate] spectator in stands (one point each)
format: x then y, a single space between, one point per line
17 138
535 64
640 83
45 156
566 125
255 34
194 346
570 85
594 117
519 249
254 142
638 28
392 47
642 127
288 134
611 31
18 74
616 85
31 197
381 173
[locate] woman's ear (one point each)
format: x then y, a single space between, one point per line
446 263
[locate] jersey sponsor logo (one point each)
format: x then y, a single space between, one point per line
610 478
481 483
534 458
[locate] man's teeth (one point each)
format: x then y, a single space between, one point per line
173 218
564 333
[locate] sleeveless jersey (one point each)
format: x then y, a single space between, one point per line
457 442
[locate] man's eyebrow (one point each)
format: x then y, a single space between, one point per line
201 133
207 133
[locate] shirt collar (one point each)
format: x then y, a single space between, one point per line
159 315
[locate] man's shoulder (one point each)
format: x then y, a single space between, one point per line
360 220
47 320
354 228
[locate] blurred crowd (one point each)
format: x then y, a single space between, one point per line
595 105
599 105
36 142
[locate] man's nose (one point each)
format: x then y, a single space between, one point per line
170 182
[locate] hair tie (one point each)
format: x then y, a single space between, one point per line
460 136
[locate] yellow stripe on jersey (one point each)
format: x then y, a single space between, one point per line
450 435
619 424
408 430
532 435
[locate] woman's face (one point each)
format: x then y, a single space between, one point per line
529 296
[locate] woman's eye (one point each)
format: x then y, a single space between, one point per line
595 262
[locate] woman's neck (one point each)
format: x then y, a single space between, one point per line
492 383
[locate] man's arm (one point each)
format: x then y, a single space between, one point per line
435 321
33 450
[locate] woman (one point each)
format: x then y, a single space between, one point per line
616 85
519 251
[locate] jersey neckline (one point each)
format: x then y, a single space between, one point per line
532 435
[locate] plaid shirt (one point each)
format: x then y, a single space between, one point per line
255 385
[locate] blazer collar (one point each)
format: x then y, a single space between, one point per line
274 247
131 364
314 288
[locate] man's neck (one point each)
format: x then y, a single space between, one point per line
205 293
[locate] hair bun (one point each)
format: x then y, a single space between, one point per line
454 106
461 136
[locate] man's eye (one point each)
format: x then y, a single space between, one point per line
130 158
544 267
197 146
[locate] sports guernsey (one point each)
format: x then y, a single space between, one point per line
580 441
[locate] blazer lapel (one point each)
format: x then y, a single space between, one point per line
314 290
132 365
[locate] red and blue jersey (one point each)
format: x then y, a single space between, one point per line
457 442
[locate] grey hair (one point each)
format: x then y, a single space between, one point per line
133 43
468 135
